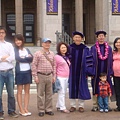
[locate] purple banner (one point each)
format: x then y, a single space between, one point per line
52 7
115 7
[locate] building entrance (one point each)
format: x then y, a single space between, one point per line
69 18
10 26
28 28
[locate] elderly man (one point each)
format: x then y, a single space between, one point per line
81 67
43 71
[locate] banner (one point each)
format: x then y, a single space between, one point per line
115 7
52 7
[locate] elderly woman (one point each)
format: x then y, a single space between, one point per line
62 71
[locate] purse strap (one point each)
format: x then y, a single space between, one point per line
48 59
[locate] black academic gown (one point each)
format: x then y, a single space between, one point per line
78 84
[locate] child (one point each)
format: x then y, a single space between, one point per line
104 92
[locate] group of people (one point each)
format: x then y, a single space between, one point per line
23 76
70 66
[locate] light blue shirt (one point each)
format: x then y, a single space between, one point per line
6 48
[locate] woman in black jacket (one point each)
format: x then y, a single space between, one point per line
23 76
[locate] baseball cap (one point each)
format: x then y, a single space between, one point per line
46 40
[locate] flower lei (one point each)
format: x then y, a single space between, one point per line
99 53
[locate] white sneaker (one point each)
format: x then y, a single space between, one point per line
101 110
106 110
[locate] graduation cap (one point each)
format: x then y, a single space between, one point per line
100 32
77 33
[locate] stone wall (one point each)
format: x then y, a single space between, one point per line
114 24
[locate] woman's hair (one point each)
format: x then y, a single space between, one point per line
115 41
21 38
58 48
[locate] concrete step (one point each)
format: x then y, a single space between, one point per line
33 88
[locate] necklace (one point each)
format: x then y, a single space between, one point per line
99 53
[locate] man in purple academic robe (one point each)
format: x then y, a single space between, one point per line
102 54
81 66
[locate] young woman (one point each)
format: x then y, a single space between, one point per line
116 69
23 77
62 71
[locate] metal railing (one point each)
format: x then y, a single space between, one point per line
63 37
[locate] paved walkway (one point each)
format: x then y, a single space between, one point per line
87 115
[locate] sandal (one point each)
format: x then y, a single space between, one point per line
65 111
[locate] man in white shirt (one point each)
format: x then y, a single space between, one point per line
6 73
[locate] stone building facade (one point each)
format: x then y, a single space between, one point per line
30 18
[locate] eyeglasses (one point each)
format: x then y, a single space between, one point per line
2 32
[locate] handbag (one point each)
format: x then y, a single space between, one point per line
56 86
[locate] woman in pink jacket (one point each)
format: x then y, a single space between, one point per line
62 73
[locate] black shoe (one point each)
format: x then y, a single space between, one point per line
49 113
117 110
109 109
13 114
94 109
1 116
41 114
58 109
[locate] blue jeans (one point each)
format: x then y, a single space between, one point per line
103 102
7 78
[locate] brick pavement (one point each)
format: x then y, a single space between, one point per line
87 115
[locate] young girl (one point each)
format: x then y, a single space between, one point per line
62 71
23 77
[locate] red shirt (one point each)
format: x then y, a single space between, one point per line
104 88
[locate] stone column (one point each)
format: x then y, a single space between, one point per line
39 20
79 15
102 15
48 24
19 16
0 13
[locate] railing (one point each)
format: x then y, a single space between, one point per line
63 37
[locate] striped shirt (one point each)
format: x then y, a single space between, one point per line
41 64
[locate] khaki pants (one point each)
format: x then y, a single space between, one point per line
95 101
44 93
80 103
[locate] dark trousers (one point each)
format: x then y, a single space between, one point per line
117 90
